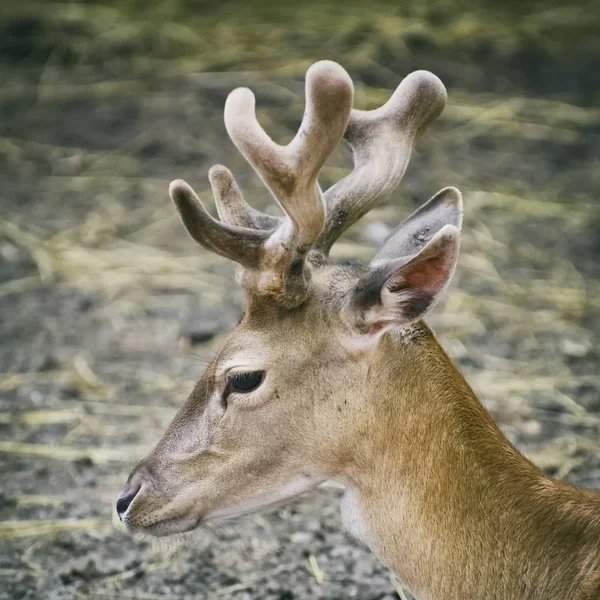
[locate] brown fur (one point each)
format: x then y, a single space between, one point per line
452 506
447 502
352 385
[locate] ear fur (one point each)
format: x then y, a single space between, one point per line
398 292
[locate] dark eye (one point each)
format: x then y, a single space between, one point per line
244 382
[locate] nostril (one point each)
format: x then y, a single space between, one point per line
124 502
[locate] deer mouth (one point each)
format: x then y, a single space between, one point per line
171 526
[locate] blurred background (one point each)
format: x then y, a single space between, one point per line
108 311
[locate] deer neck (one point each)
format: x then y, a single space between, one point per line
444 499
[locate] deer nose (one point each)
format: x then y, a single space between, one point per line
125 500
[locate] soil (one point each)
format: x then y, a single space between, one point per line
108 312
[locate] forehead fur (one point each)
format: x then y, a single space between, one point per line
329 284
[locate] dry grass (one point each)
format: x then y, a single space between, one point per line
521 317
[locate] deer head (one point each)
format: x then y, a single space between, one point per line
282 405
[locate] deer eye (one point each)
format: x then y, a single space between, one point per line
244 382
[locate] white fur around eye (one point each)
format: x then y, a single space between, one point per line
242 369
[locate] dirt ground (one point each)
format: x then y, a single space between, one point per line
108 311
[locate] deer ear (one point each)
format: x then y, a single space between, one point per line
400 291
411 236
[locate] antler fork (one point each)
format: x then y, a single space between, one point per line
273 250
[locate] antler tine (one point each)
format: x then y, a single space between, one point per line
240 244
230 203
273 249
381 141
290 172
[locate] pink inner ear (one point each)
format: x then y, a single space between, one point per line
428 275
403 291
431 274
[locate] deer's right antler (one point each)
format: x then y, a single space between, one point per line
273 250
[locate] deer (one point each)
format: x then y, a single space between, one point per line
332 373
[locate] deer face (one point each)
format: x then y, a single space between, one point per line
277 410
249 434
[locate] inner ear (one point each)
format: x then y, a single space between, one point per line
427 272
401 291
